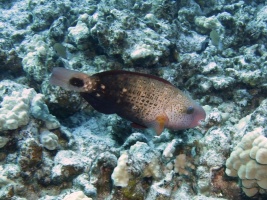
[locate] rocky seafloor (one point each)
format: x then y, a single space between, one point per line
53 145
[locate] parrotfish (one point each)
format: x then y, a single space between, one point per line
146 100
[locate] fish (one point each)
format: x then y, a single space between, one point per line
146 100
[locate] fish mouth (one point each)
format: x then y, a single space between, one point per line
199 116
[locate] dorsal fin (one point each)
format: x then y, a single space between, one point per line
116 72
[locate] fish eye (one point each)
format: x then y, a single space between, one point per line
190 110
76 82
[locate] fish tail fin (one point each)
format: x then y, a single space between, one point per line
71 80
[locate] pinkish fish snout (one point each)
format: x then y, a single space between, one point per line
199 115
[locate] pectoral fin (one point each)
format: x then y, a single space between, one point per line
159 123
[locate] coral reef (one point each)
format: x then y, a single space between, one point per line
53 145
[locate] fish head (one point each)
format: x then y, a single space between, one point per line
185 114
196 114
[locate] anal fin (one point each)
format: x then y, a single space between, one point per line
138 126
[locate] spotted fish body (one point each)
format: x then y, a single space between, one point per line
146 100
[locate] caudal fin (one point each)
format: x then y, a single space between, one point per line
71 80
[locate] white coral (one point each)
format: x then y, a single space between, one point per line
17 108
170 148
49 140
248 162
14 111
120 175
79 195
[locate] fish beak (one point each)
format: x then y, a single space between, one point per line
199 116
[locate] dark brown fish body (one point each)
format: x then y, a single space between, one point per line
146 100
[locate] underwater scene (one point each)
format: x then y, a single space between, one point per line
133 100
